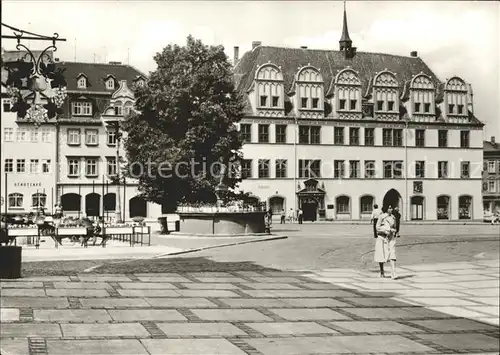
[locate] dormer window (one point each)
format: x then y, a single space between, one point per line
110 84
268 90
386 95
456 96
82 83
422 94
309 92
139 82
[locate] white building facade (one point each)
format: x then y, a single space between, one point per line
335 132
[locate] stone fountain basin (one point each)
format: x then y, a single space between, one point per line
222 223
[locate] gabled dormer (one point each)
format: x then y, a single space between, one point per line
82 81
308 93
347 94
385 96
267 94
456 100
139 81
110 82
422 98
122 101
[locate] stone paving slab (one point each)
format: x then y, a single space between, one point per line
191 347
192 302
71 315
100 329
130 315
301 314
374 327
84 285
26 292
19 284
200 329
94 347
74 292
230 315
463 342
34 302
113 302
19 330
146 285
148 293
9 315
14 347
291 328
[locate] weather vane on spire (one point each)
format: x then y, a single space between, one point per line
31 76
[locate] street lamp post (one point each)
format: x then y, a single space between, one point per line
406 171
295 166
118 207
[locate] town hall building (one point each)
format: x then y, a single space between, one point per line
334 132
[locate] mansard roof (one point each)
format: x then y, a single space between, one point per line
329 62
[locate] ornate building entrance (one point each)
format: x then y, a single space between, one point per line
312 201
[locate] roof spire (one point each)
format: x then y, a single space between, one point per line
345 41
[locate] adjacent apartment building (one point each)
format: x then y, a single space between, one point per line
491 177
75 159
334 132
28 156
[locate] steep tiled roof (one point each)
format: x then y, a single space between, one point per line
12 56
491 147
96 74
329 62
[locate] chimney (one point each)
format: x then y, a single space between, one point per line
255 44
414 54
115 63
493 140
303 47
236 54
56 60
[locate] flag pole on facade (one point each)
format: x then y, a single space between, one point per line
80 194
102 212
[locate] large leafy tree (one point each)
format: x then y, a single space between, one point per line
185 125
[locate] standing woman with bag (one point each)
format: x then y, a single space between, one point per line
385 244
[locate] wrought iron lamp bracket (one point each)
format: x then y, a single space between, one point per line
41 78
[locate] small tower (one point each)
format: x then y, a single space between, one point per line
345 43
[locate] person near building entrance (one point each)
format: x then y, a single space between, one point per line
375 215
58 211
385 244
291 216
268 220
397 215
283 216
300 215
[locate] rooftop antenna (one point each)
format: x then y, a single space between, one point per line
75 51
94 57
128 56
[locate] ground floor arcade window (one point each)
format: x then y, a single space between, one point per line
465 207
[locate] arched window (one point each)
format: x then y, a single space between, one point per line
137 207
82 82
422 94
15 200
348 91
71 202
110 201
343 205
443 207
455 97
118 108
386 95
269 87
366 204
309 88
92 204
39 200
465 207
127 108
110 84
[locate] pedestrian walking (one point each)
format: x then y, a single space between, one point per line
397 215
300 216
268 221
283 216
375 215
291 216
385 244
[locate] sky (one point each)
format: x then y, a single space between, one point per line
454 38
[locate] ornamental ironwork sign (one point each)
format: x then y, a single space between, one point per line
37 88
